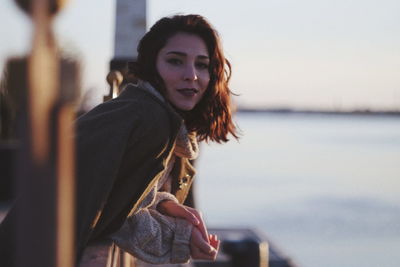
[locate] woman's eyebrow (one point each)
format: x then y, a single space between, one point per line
184 54
203 57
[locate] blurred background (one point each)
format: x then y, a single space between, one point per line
318 165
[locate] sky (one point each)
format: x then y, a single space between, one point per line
302 54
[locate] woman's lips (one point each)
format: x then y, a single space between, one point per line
188 92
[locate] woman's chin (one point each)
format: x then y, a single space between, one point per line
184 106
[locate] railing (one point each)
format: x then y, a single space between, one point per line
106 254
240 247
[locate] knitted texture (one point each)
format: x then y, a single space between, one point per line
155 238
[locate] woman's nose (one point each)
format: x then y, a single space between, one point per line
190 73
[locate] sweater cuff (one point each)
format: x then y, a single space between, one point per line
162 196
180 246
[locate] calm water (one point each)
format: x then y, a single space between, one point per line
324 188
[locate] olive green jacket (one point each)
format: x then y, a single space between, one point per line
123 146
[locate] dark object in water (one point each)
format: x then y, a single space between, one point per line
246 252
246 247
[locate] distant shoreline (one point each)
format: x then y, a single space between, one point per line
318 112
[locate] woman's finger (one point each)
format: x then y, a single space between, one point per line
214 242
192 215
185 213
200 255
174 209
198 241
201 226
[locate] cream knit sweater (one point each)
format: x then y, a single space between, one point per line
154 237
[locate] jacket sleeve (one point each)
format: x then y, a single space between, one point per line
154 237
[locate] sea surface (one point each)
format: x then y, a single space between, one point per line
325 189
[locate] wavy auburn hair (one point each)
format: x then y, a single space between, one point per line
211 118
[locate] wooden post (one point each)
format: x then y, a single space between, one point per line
45 208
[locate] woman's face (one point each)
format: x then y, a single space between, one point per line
183 64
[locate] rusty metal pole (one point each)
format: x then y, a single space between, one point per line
114 79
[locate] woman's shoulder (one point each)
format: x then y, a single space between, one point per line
134 107
150 108
141 99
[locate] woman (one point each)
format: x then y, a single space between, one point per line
134 152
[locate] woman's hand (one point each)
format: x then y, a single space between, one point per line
214 242
202 245
174 209
200 248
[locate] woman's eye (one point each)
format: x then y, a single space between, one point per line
202 65
174 61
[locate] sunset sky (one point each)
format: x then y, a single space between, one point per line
317 54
